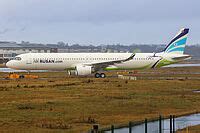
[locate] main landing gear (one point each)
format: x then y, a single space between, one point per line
100 75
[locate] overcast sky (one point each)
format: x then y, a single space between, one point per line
98 21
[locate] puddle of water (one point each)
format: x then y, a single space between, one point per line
196 91
153 127
12 70
183 65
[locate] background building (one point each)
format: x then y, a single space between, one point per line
8 50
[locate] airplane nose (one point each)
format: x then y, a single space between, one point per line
9 64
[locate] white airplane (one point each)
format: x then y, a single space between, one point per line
88 63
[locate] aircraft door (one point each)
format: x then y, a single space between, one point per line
29 61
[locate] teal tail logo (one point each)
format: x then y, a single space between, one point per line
177 45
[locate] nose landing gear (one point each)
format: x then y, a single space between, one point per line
100 75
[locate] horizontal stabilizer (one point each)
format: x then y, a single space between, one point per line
182 57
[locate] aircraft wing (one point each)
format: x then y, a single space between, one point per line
101 65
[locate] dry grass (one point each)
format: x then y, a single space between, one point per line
2 65
58 103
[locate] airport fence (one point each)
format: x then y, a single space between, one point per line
171 124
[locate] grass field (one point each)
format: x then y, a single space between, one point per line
58 103
2 65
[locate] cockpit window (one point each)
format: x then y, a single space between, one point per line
18 58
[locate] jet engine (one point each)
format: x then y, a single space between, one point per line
84 70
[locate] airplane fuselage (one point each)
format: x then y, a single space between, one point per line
68 61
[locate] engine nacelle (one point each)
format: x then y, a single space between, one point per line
84 70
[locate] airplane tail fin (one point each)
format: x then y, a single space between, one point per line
177 44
